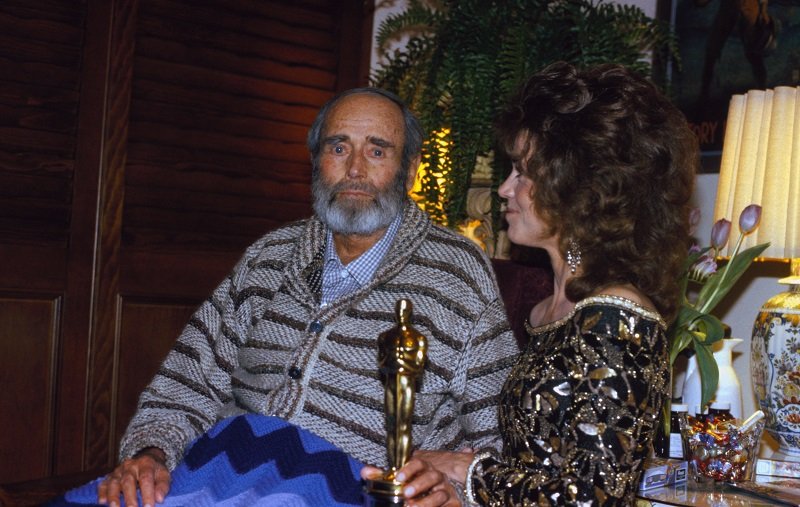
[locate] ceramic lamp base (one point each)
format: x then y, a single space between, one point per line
775 366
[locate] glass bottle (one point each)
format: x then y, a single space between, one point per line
720 411
700 415
661 442
675 439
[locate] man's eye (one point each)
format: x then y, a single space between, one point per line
377 152
339 149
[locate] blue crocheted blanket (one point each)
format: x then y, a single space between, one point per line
253 460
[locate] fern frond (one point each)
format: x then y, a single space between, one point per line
417 20
465 57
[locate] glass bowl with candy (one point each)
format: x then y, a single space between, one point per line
720 448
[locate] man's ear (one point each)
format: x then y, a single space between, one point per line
412 172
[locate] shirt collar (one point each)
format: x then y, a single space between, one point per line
363 267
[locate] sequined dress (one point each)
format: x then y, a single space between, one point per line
579 409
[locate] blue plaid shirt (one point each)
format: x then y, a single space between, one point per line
339 280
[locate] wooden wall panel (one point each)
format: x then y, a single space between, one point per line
223 94
40 68
41 75
147 330
143 145
28 341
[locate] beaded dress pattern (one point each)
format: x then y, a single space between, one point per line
579 409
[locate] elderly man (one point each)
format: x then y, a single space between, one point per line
292 331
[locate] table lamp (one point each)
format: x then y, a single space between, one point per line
761 165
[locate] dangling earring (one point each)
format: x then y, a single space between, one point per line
573 256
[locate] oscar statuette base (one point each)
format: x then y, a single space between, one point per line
383 493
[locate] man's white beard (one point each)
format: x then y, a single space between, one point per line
357 217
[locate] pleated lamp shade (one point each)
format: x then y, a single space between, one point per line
761 165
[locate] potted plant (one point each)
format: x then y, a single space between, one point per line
464 57
704 286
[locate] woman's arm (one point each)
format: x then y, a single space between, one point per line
589 424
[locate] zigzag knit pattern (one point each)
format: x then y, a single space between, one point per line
253 460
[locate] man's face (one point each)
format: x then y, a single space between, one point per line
360 186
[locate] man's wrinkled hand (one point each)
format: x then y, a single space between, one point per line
146 472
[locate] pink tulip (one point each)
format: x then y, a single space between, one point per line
703 268
748 220
719 233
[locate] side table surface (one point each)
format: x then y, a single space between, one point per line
718 495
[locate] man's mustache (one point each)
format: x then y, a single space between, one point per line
346 186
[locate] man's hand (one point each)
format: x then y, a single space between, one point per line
147 471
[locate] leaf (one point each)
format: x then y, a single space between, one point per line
709 372
666 416
679 342
691 325
718 284
678 332
415 20
708 327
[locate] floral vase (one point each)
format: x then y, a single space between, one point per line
775 367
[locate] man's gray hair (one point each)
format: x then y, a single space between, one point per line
412 143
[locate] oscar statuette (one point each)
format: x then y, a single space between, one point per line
401 357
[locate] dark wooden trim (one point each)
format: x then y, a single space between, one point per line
104 338
86 356
39 491
367 20
354 37
71 412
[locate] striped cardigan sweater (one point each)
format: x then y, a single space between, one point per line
262 344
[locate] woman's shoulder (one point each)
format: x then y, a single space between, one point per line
630 293
620 302
617 302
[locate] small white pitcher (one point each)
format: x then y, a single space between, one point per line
728 389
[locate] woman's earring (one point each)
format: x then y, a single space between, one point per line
573 256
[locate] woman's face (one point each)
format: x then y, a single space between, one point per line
525 226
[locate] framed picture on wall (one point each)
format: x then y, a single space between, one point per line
728 47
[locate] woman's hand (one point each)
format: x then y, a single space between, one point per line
424 484
452 464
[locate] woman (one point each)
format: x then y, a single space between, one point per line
602 172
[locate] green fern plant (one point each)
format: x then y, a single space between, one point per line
464 57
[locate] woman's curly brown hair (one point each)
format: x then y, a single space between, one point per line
613 165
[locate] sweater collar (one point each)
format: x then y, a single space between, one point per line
414 228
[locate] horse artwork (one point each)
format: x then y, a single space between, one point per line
728 47
756 30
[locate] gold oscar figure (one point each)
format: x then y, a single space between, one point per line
401 357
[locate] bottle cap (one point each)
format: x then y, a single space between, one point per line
679 407
721 405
